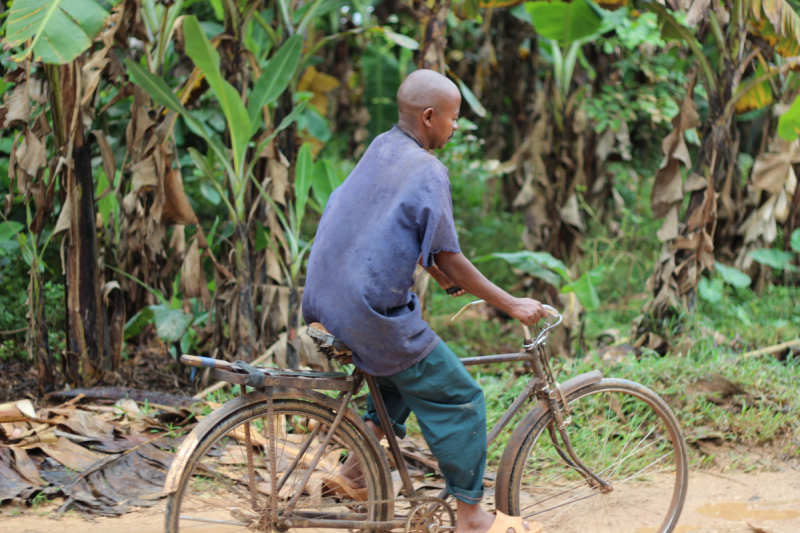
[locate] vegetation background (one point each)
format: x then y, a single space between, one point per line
164 166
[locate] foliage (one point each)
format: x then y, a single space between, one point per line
60 29
650 83
777 259
261 119
564 22
382 79
772 404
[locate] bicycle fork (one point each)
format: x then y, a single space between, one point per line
561 423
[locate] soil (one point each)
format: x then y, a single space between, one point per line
764 502
148 367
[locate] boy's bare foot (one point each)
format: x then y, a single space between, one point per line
476 521
351 470
473 519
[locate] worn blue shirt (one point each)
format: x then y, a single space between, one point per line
394 208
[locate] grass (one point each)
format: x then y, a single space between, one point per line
767 413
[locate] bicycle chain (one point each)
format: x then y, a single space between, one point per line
419 499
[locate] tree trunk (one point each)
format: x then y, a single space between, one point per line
434 24
84 361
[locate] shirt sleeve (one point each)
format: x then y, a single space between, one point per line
434 218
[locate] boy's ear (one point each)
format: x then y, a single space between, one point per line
427 117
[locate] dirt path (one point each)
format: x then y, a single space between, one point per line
768 501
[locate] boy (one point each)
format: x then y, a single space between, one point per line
393 211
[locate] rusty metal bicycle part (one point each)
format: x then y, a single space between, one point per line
226 488
386 424
626 434
428 516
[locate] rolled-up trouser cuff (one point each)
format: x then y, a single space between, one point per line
398 429
469 497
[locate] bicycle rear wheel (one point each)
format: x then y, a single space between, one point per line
216 488
625 434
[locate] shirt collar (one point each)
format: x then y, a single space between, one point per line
398 128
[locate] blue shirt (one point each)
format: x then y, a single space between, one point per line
394 208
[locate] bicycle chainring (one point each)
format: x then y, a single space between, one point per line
430 515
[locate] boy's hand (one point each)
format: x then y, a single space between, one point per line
527 311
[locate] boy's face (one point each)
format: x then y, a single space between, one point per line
443 122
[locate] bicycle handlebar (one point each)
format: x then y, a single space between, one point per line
525 329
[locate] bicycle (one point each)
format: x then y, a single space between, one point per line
286 434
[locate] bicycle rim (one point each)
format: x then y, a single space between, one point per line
216 492
628 436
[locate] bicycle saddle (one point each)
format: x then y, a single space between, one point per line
326 343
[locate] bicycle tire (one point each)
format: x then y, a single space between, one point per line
568 503
230 501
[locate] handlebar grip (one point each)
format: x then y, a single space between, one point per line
209 362
452 290
550 310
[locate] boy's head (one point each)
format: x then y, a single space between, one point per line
429 105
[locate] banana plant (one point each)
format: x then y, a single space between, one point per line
717 200
244 122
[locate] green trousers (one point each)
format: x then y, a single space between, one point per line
451 412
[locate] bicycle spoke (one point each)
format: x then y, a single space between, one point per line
223 496
624 440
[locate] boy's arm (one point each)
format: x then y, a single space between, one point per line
462 273
442 279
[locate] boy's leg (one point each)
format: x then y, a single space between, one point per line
396 407
451 412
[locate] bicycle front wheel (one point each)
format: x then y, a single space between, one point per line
227 483
628 436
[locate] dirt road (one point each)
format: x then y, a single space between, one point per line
767 502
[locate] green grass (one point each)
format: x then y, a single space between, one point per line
767 413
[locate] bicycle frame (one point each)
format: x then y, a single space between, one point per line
542 389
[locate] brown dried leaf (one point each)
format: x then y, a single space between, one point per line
18 107
668 186
571 214
178 240
65 217
669 229
772 169
144 174
109 163
177 209
87 424
26 467
695 182
71 455
32 154
279 173
194 281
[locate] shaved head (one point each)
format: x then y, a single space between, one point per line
423 89
428 105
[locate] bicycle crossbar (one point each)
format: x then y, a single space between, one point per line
500 358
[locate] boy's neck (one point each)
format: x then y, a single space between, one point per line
412 131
